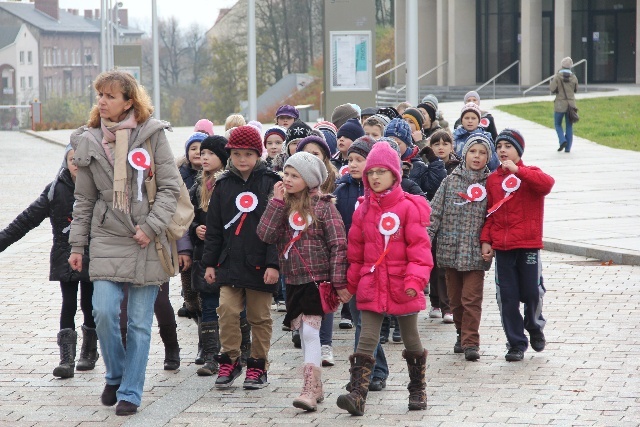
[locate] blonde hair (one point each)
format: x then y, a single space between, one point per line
205 192
131 90
329 184
234 121
402 106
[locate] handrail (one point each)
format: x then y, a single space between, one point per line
388 71
380 64
493 79
420 78
524 92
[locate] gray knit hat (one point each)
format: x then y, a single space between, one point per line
342 113
477 138
566 62
310 168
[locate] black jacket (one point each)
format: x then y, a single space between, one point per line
240 260
59 211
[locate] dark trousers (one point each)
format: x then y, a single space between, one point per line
519 280
438 295
70 304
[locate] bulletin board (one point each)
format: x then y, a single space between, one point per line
351 61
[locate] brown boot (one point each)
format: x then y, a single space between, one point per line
361 367
417 366
307 399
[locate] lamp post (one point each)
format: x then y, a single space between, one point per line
156 59
251 61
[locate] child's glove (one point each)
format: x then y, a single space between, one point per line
428 153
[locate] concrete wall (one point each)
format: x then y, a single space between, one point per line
461 69
530 47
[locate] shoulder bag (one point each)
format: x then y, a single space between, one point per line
572 112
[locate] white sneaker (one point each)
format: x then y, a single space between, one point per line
282 307
274 306
435 313
327 355
447 318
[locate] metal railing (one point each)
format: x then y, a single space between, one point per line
493 79
419 78
524 92
390 70
380 64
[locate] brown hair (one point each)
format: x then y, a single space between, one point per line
373 121
440 134
131 90
332 175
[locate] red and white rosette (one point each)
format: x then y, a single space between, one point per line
475 193
484 122
140 160
344 170
388 226
297 223
510 184
245 202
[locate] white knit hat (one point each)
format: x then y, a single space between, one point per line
310 168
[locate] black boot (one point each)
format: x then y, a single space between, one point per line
457 347
417 366
171 347
200 355
361 367
245 345
384 330
89 350
211 346
67 340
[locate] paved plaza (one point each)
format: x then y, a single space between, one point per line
589 374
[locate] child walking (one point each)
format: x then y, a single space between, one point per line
513 229
312 247
470 116
56 203
389 257
457 216
237 261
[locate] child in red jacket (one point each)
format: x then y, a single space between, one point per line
389 255
513 229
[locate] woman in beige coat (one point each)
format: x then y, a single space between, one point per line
564 84
112 215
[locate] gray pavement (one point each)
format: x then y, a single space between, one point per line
589 374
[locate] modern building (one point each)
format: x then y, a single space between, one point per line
479 38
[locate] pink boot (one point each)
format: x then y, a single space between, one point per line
308 398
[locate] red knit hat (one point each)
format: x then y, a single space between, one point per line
245 138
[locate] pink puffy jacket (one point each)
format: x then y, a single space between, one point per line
407 264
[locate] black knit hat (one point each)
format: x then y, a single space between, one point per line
429 109
414 115
216 144
513 137
297 130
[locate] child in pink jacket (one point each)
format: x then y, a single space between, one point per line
389 255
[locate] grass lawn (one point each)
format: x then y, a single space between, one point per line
612 121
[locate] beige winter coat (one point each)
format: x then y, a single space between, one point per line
569 82
114 255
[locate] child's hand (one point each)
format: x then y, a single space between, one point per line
417 135
271 276
201 230
411 292
278 191
210 275
185 262
487 251
344 295
75 261
508 164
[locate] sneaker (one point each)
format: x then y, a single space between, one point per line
435 313
295 338
274 306
457 347
396 337
514 355
282 307
286 328
377 384
256 377
327 355
345 324
447 318
384 339
471 354
228 372
537 340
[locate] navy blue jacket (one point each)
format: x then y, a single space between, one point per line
347 191
428 177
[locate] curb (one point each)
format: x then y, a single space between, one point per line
602 253
43 137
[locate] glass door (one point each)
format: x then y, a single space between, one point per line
603 47
626 43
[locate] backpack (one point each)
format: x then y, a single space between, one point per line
180 221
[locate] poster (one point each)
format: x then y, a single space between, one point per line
351 60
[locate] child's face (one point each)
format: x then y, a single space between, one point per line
373 131
356 165
411 125
284 121
210 162
73 169
244 160
194 155
292 148
477 157
380 179
343 145
473 99
427 120
507 151
314 149
401 145
470 121
293 182
274 145
442 148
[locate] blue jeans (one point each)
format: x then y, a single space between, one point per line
562 136
381 368
326 329
124 367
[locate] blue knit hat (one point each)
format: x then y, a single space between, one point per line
352 129
195 137
400 129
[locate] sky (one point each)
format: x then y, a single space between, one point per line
203 12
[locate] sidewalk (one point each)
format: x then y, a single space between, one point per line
594 207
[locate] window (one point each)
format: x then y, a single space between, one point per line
22 57
30 82
23 84
30 57
66 57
